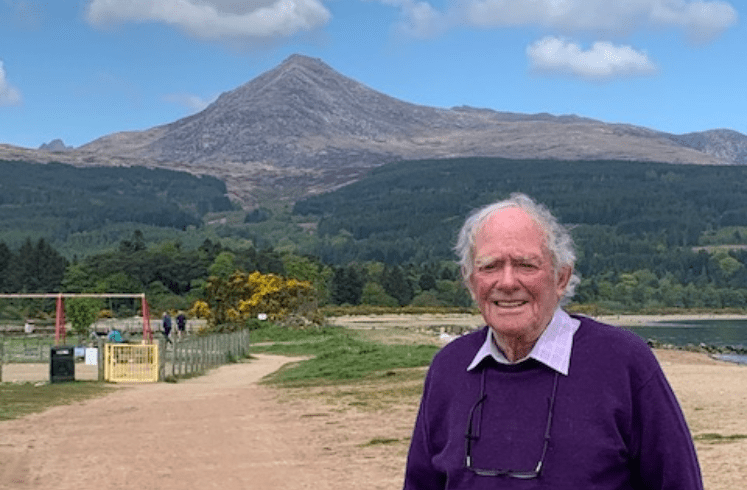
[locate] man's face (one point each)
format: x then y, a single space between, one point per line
513 282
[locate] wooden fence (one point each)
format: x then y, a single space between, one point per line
195 354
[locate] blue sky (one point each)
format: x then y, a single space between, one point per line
79 70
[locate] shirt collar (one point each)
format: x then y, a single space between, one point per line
552 349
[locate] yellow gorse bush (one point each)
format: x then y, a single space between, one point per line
246 295
200 309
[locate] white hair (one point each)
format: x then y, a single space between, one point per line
557 238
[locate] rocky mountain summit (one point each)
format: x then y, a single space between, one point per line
55 145
303 128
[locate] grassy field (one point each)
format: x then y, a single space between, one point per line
338 354
19 399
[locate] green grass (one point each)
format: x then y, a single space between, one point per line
380 441
719 438
337 354
20 399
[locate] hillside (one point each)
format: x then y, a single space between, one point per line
302 128
56 200
411 211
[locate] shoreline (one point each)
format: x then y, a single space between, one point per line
726 354
635 320
459 323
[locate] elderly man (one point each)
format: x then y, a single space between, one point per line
538 398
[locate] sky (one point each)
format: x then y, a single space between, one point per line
77 70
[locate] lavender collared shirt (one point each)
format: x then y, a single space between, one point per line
553 348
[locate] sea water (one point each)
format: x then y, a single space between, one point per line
717 333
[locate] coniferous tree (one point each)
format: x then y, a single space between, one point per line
397 285
34 269
347 286
427 281
5 257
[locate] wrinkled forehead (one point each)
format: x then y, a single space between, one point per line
512 233
511 226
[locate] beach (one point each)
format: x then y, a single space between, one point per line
713 396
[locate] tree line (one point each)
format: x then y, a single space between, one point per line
175 278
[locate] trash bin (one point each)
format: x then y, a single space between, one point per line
61 363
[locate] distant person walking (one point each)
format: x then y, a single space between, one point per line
181 324
166 324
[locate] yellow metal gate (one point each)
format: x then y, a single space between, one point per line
131 363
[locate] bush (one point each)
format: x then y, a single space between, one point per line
243 296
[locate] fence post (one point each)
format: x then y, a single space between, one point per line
188 362
101 358
161 360
209 349
216 350
186 359
184 352
177 368
2 357
194 357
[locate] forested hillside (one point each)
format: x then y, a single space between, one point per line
636 225
55 200
412 210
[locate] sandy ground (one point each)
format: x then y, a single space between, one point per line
221 431
34 372
225 431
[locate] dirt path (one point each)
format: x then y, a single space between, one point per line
218 431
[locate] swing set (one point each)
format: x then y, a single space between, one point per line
59 330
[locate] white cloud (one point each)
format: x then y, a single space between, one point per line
701 20
419 19
216 19
602 61
194 103
9 95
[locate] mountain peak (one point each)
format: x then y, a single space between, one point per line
55 145
303 127
303 60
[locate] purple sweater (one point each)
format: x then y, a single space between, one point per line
616 423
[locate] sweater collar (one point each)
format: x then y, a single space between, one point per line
552 349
